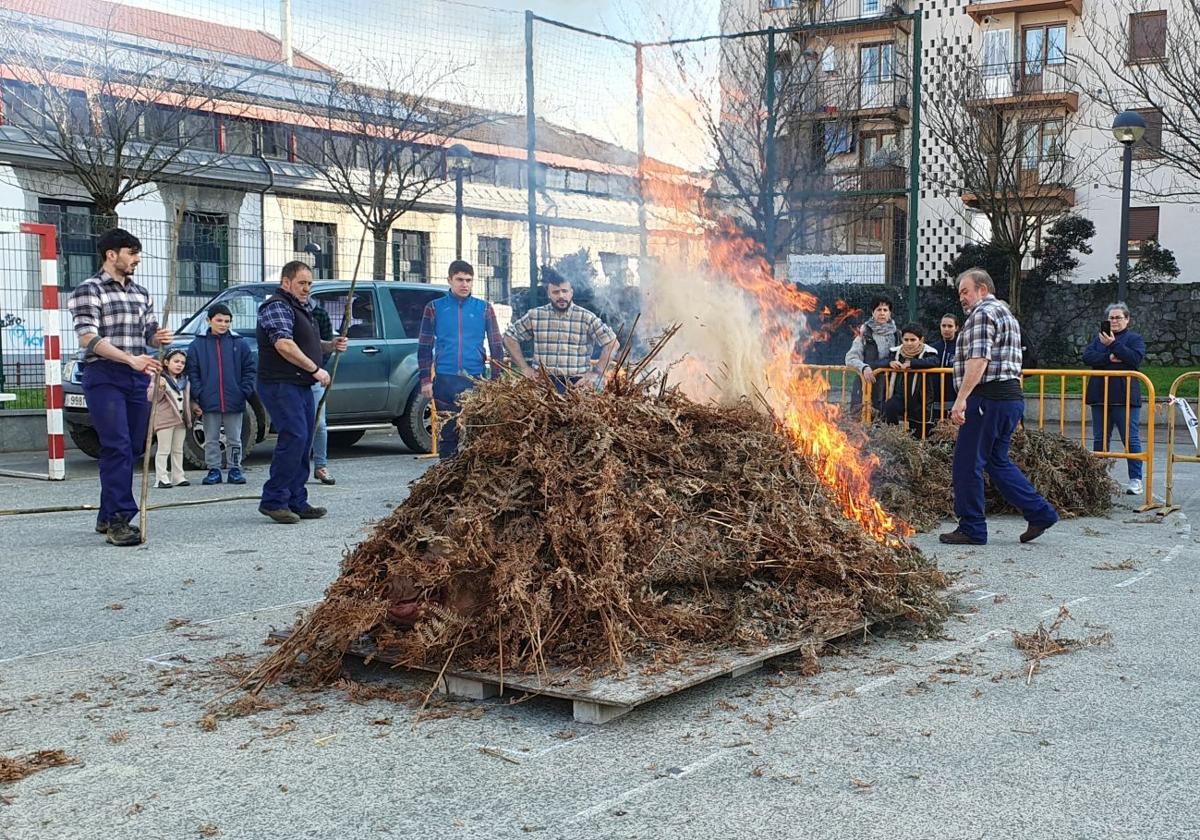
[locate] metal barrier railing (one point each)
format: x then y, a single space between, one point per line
852 386
1172 456
935 404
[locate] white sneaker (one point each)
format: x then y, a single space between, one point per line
1135 488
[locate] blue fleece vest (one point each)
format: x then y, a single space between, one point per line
459 336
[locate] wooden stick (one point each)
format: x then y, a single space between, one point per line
168 305
346 317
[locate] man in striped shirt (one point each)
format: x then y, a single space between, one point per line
989 405
114 321
564 335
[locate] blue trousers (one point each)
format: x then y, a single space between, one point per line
320 449
293 414
983 443
1116 421
120 410
447 388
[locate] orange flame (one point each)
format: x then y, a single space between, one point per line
798 396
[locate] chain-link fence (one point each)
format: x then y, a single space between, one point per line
597 155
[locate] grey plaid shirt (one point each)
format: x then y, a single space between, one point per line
990 332
124 314
562 341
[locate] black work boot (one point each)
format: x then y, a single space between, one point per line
121 533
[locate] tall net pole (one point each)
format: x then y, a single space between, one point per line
531 160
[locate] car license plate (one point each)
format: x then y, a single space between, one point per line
74 401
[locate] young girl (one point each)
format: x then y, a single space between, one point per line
170 415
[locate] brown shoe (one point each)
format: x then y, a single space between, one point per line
311 512
322 475
282 515
957 537
1033 532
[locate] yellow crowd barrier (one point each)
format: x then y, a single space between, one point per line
1172 456
850 386
935 406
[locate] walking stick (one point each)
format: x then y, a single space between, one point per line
346 316
168 305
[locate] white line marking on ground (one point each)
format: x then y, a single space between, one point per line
1068 605
983 594
147 635
1134 579
684 772
863 689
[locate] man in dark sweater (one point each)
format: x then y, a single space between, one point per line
289 362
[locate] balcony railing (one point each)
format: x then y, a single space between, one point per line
864 93
836 11
866 179
1041 79
1053 171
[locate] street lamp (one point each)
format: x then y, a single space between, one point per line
458 160
1127 128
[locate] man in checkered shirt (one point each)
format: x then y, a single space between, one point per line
563 337
989 405
114 320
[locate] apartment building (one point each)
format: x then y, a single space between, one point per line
1034 65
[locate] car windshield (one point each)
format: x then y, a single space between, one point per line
242 302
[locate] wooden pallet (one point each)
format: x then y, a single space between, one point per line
599 700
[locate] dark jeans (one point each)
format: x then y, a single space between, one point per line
983 443
293 414
447 388
119 408
1116 423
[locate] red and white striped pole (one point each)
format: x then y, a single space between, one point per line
51 348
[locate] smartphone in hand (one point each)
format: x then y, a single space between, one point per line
1106 327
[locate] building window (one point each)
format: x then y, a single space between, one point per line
556 179
483 171
510 173
1147 36
872 7
316 244
410 256
1143 227
1150 146
276 141
203 254
310 146
239 136
616 268
493 265
24 106
76 238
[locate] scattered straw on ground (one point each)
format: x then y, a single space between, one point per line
1043 642
914 481
17 768
581 530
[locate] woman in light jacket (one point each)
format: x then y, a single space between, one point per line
872 348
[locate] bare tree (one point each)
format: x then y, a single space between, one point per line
1005 151
116 117
1147 58
380 147
788 162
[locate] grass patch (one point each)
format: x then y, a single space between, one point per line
1162 377
26 398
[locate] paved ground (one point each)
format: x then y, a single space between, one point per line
111 654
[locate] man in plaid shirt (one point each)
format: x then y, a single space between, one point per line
563 337
114 321
989 405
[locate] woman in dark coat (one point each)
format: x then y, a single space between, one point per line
1121 349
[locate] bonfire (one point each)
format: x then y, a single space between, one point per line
708 498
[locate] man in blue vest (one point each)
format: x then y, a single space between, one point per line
290 350
450 350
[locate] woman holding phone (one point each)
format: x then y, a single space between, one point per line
1116 347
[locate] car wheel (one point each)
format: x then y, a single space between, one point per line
85 438
193 441
344 440
416 425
